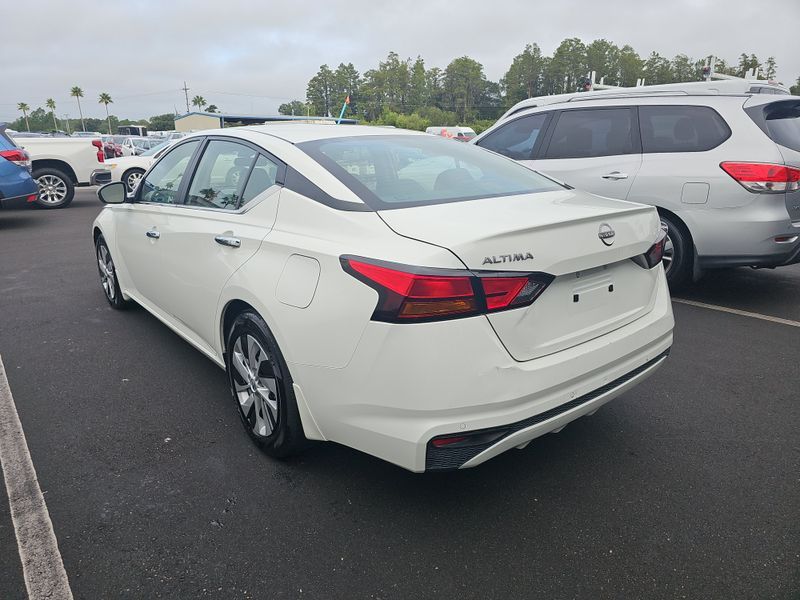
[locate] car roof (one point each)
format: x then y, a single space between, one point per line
296 133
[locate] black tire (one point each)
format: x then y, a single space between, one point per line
679 269
127 174
282 433
110 284
56 189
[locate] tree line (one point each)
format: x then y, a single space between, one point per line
406 92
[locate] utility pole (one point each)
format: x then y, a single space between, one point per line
186 93
66 120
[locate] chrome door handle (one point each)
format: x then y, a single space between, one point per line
615 175
153 234
225 240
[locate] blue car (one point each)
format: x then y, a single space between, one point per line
15 171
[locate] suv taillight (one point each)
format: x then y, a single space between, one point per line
101 153
418 294
18 156
763 177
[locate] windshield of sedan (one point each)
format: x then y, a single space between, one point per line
395 171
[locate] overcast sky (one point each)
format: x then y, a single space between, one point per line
248 57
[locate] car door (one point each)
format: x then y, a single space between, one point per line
593 149
140 224
229 207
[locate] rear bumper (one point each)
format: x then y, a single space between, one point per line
790 257
100 177
407 384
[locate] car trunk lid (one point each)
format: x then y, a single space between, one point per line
585 241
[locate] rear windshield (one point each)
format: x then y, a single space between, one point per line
6 143
396 171
783 123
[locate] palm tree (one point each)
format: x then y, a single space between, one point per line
106 99
199 102
212 108
77 93
51 104
24 108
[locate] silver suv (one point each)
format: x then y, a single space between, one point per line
721 166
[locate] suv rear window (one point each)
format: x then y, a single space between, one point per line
783 123
681 128
593 132
395 171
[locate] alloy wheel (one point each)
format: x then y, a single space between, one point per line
52 189
255 385
669 250
132 180
107 274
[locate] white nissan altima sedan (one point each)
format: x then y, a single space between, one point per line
430 303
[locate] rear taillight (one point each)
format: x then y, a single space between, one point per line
654 254
763 177
416 294
18 156
101 153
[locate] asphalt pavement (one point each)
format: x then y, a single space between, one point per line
687 486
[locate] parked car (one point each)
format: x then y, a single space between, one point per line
61 163
461 134
91 134
112 148
722 167
130 169
433 320
16 181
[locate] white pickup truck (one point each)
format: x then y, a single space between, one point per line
61 163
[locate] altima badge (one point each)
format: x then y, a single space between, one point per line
606 234
502 258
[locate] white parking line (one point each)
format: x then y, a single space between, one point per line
42 566
736 311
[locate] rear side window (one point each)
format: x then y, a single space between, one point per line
783 123
517 138
593 132
220 175
681 128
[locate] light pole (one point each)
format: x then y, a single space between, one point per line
66 120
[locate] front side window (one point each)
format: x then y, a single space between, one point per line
517 138
408 170
681 128
221 175
164 180
587 133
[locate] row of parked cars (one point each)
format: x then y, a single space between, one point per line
59 163
435 303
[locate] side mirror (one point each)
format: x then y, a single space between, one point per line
112 193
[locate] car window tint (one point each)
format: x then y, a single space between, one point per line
220 175
5 142
261 179
783 123
164 180
517 138
387 171
587 133
681 128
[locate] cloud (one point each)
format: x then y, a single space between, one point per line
251 56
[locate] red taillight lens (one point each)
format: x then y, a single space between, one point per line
408 294
655 254
18 156
764 177
101 154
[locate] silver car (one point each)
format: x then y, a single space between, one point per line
721 165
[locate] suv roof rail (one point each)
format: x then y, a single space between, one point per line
737 86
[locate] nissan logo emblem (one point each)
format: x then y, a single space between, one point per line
606 234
